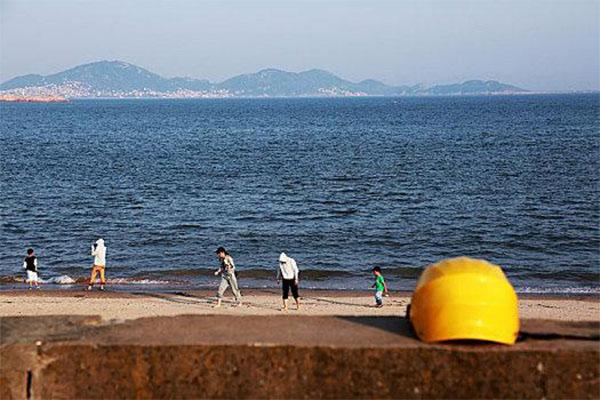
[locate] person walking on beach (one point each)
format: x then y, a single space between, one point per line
228 278
288 272
380 287
99 253
30 264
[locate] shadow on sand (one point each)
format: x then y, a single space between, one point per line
396 325
172 297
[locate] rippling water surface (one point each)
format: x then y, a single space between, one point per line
340 184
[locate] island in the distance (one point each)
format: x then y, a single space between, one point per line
25 98
118 79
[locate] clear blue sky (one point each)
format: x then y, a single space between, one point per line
540 45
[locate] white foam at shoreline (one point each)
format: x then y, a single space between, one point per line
258 283
60 280
567 290
132 281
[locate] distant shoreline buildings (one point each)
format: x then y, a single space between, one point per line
21 98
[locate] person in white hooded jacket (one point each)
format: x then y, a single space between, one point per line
99 253
288 273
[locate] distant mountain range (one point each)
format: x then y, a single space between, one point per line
123 80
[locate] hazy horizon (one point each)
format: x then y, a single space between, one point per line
537 45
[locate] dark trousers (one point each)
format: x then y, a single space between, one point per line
287 284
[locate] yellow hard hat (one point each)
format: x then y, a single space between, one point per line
464 298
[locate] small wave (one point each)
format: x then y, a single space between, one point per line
553 276
12 228
343 178
75 270
243 273
67 280
158 240
558 290
183 272
402 272
57 280
185 226
320 274
191 274
349 211
331 214
331 202
136 281
60 280
248 218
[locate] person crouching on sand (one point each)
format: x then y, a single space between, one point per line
228 278
99 253
30 264
288 271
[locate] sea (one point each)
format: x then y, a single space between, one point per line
339 184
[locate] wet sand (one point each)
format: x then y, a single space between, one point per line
123 305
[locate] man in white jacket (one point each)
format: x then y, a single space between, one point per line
288 272
99 253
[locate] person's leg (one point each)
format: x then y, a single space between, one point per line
295 294
379 298
102 279
29 278
285 292
235 289
222 288
93 277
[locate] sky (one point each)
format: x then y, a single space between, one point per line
538 45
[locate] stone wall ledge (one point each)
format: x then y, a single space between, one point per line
227 356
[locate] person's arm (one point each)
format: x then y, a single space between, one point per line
295 268
35 264
385 289
24 264
229 262
94 250
278 278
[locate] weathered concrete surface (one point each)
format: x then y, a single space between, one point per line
287 357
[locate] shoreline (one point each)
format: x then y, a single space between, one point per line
120 290
317 97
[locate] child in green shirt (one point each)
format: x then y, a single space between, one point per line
380 287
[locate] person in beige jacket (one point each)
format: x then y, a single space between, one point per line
99 253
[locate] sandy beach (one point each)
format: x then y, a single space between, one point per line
138 304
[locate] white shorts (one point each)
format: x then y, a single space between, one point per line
32 276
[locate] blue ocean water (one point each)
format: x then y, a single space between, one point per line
340 184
